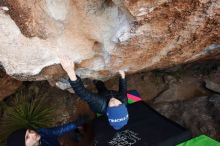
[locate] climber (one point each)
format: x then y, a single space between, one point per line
107 102
42 136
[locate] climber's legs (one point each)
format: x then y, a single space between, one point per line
100 86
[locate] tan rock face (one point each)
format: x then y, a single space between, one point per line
103 36
8 85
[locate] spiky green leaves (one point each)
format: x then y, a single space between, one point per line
26 112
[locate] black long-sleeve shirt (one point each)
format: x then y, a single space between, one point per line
99 102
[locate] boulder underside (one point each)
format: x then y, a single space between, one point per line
104 36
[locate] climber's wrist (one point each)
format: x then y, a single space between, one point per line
73 79
72 75
122 74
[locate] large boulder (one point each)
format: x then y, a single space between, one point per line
103 36
212 82
8 85
198 114
186 88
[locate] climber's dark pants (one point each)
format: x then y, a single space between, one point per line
100 86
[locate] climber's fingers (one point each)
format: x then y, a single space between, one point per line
67 63
122 73
3 8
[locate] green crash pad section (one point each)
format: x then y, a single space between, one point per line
130 101
202 140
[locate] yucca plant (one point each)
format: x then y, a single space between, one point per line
26 112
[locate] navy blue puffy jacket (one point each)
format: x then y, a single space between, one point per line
49 136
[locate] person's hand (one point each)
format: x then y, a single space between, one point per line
69 66
3 8
122 74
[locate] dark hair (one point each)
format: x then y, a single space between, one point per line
17 138
33 129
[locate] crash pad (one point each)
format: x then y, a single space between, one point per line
201 140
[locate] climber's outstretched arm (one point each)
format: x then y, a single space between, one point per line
122 87
96 103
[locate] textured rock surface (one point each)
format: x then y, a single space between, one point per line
8 85
179 91
213 82
198 114
103 36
